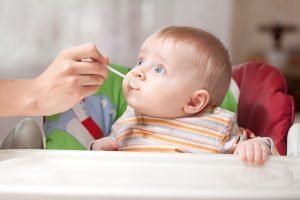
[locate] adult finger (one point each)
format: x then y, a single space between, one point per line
87 80
86 51
88 90
91 67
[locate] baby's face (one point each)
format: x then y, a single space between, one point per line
166 76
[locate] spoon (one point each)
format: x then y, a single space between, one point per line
131 84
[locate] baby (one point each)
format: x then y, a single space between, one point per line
182 76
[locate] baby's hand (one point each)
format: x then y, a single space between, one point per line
105 144
253 152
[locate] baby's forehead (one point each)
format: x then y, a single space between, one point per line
162 39
170 45
173 43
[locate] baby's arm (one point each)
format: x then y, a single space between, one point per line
252 150
110 143
105 144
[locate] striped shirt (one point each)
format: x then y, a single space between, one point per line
213 131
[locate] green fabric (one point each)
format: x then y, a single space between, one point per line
112 88
52 118
60 139
229 102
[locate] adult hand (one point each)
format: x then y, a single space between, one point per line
69 79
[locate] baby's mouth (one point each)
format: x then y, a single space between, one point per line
131 84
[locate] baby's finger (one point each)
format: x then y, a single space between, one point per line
250 153
257 154
242 152
265 153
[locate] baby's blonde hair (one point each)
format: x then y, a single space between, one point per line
210 54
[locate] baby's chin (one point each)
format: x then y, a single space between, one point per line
150 111
136 105
132 104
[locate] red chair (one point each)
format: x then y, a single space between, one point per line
264 106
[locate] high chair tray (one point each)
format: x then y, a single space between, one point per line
45 174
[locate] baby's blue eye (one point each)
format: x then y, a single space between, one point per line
139 63
159 69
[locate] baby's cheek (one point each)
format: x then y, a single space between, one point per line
125 87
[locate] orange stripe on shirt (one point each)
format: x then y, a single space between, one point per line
146 135
151 149
150 131
171 124
218 119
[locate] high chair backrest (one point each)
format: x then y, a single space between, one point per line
264 106
94 116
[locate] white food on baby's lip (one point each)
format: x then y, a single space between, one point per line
132 84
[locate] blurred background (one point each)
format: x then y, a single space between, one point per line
33 32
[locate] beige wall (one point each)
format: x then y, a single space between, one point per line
33 32
248 15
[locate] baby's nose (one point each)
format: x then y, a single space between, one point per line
137 73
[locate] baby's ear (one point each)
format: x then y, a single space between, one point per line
197 102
